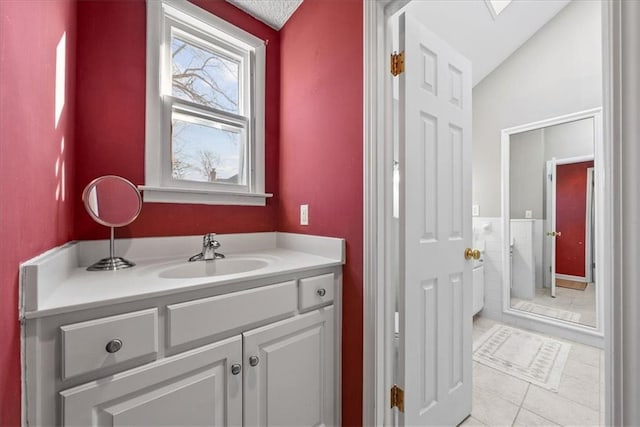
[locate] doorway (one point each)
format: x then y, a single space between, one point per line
383 232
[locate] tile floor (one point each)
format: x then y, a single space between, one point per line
503 400
583 302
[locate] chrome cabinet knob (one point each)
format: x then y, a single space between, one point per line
253 360
114 346
236 368
321 292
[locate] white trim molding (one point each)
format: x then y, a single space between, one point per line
623 95
572 278
166 18
378 310
373 304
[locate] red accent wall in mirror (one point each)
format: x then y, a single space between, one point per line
571 208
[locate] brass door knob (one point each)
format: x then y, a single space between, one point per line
471 253
554 233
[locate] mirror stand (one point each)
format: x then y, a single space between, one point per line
112 262
112 201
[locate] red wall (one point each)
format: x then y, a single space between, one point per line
571 208
36 169
313 144
111 120
321 153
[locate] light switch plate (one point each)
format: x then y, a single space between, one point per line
304 214
475 210
528 214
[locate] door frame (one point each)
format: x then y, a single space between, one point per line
602 159
589 227
378 313
619 38
588 260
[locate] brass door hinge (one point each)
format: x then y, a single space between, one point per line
397 63
397 398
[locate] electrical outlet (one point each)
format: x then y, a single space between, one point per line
304 214
475 210
528 214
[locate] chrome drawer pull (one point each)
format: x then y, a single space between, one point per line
321 292
253 360
114 346
236 368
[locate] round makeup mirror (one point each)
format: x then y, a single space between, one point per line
114 202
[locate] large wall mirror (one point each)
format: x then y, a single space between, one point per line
549 213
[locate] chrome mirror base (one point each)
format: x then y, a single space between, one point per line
111 264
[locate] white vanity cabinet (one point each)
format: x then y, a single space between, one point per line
289 372
196 388
263 356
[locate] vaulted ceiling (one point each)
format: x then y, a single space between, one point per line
470 26
487 40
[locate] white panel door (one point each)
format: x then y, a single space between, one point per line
435 200
195 388
289 373
552 169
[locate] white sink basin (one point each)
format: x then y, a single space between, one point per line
218 267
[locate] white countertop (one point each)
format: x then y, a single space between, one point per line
58 282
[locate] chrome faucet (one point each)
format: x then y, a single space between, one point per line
209 246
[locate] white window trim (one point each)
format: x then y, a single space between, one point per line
158 185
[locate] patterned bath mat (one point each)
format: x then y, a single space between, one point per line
534 358
556 313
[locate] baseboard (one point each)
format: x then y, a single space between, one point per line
572 278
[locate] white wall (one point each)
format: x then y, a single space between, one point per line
526 174
571 139
558 71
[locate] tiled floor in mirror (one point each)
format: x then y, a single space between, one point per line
580 303
500 399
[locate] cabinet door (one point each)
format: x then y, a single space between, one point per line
293 381
196 388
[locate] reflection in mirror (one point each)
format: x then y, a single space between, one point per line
114 202
551 209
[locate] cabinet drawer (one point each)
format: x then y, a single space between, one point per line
84 345
193 320
315 291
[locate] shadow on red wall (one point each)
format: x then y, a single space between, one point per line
37 117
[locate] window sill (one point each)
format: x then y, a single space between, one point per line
204 197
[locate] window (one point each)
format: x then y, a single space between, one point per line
205 108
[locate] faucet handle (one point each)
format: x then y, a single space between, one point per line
209 240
